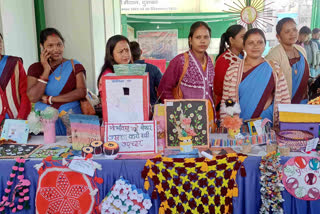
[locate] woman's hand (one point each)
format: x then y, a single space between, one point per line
44 99
44 58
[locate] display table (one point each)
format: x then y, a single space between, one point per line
248 201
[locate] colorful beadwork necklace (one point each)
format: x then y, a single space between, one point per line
21 190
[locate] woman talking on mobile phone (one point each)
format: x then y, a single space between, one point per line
56 81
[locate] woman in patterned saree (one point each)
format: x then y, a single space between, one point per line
56 81
256 84
197 80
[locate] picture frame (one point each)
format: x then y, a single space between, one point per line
16 130
14 150
125 98
197 112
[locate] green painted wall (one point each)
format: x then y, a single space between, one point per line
40 20
217 25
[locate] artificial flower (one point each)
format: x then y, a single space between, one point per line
143 211
123 196
133 195
139 197
124 208
117 203
129 203
135 207
147 203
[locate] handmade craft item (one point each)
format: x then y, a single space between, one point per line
61 190
284 151
13 150
34 122
64 116
223 140
125 198
85 129
301 177
50 150
86 150
271 186
48 119
246 148
271 148
187 120
232 122
97 146
110 148
194 185
159 116
295 139
315 101
16 130
20 191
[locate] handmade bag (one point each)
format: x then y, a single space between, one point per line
176 91
194 185
87 103
61 190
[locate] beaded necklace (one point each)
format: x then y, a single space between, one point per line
21 190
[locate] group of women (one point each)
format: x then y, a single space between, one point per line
240 73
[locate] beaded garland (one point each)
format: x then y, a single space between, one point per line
21 190
194 185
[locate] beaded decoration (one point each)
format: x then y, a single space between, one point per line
21 190
271 186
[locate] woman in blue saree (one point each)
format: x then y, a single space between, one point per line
256 84
292 59
56 81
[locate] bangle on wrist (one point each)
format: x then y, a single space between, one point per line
50 100
42 81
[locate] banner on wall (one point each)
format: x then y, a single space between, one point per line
158 44
172 6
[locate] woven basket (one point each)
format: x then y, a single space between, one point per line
296 140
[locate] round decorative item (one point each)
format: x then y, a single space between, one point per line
186 144
86 150
249 15
295 139
110 148
97 147
301 177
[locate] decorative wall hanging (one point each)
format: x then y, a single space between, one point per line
194 184
187 120
271 186
84 129
20 191
254 12
13 150
301 177
61 190
125 198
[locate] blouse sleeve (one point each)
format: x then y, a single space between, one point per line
170 79
220 72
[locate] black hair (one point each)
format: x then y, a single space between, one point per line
135 50
305 30
232 31
108 58
48 32
315 30
280 24
1 36
254 31
194 27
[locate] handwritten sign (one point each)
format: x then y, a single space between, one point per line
312 144
79 164
133 137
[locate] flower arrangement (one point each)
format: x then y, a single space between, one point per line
188 120
232 122
36 119
125 198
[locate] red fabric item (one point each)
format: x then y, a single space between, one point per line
62 191
160 63
15 103
36 70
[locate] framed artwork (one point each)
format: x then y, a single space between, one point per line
133 138
187 120
13 150
84 130
16 130
50 150
125 98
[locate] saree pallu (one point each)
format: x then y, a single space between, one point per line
254 90
54 88
300 76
